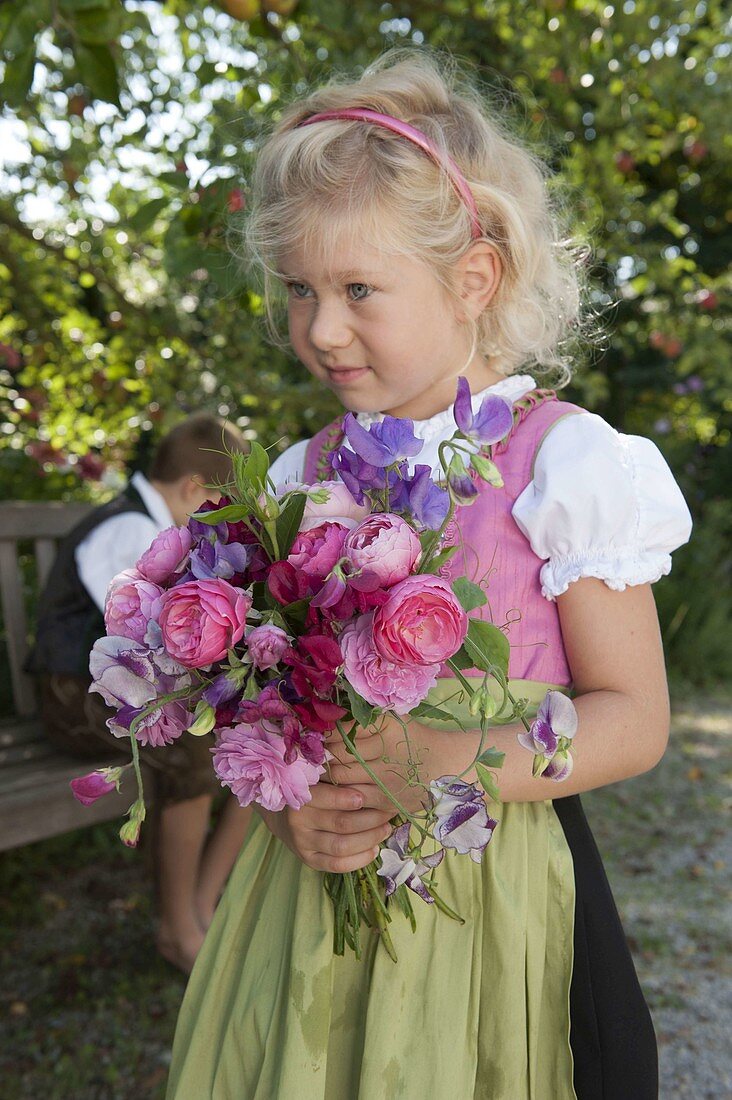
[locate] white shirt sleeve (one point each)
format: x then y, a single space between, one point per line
289 466
111 547
601 504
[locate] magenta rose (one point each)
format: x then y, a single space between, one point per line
316 551
132 603
340 507
421 622
250 759
200 620
166 554
384 683
266 645
384 546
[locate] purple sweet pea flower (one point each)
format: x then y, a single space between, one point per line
384 443
204 530
218 559
555 718
492 420
463 821
397 868
358 476
428 503
459 482
222 689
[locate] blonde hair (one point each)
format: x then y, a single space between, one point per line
313 184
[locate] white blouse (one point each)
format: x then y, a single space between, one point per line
600 504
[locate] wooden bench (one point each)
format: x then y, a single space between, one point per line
35 799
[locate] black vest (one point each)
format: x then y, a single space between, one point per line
69 621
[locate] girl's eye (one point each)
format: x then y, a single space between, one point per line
359 291
298 290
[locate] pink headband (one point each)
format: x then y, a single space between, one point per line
445 161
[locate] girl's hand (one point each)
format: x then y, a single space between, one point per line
335 831
388 755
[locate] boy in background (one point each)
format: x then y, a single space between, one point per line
190 873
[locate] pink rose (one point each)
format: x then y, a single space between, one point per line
200 620
316 551
384 546
421 622
250 759
266 645
132 603
384 683
166 554
340 507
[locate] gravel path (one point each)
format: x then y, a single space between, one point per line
88 1009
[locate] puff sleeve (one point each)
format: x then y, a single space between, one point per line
601 504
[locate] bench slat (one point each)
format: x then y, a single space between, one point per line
11 588
45 557
28 519
16 755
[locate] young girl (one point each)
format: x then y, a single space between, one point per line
416 242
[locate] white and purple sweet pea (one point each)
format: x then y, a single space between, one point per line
126 673
490 423
463 821
555 719
397 868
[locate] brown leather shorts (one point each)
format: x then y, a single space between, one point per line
75 722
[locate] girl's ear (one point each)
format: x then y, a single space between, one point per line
477 275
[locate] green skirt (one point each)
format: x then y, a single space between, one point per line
473 1011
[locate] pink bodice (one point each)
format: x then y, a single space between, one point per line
492 550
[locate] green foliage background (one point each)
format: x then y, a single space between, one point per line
122 307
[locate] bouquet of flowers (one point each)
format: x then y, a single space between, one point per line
283 614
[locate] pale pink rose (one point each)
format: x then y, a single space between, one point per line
200 620
166 554
421 622
250 759
340 507
132 603
379 681
316 551
384 546
266 645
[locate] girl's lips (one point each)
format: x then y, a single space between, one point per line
340 376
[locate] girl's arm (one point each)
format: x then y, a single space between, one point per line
613 646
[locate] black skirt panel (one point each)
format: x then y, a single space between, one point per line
611 1032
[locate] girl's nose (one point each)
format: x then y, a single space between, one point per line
329 327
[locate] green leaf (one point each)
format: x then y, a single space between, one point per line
256 467
19 78
462 659
488 782
362 711
428 710
487 646
288 522
84 5
441 559
178 180
470 595
232 513
99 27
146 214
492 758
98 71
20 34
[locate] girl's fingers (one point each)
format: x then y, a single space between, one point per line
374 798
326 796
370 747
346 822
348 844
341 864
